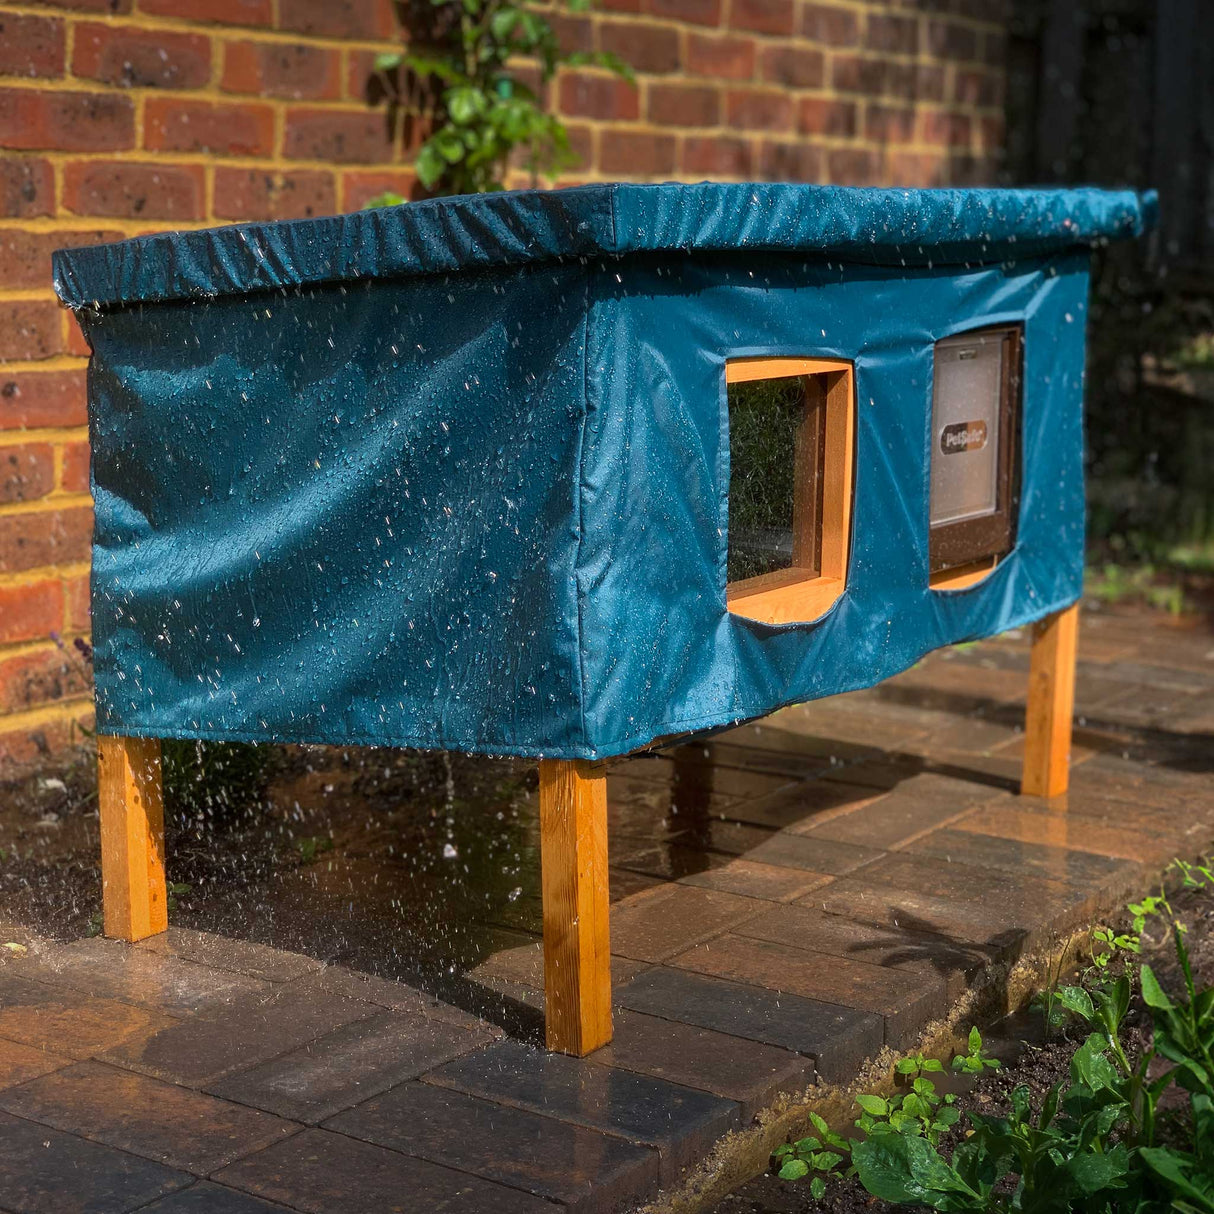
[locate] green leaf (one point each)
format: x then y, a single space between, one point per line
1076 999
817 1188
794 1169
389 61
907 1170
906 1066
387 199
873 1105
1152 993
429 165
975 1040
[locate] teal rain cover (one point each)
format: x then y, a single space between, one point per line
455 474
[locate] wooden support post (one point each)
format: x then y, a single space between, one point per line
1051 702
577 950
134 897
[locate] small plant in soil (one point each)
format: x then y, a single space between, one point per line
1102 1140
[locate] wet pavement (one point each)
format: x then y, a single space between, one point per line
344 1016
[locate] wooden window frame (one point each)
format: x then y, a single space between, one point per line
962 553
821 520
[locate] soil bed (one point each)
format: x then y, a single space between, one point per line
1028 1057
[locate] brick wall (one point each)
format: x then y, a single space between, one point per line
119 117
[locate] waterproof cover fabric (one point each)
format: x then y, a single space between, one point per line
455 474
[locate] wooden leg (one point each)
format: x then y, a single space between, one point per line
577 951
132 837
1051 702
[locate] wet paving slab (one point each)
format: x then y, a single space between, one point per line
346 1012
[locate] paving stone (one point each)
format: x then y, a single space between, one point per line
1118 779
348 1065
20 1063
680 1122
160 1121
906 999
1101 873
754 880
207 1198
67 1022
860 724
324 1173
1018 898
1075 831
114 969
523 966
338 982
916 805
815 854
202 1049
656 925
43 1171
731 1067
236 956
838 1039
725 750
584 1169
1002 932
806 801
892 947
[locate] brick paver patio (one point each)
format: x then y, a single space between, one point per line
789 897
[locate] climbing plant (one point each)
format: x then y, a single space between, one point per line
476 71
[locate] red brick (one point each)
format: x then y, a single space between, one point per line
76 342
887 32
991 133
31 46
819 116
54 537
29 330
889 124
621 6
947 40
652 49
276 69
30 612
598 97
916 82
70 122
170 125
30 399
750 109
790 162
114 8
636 153
264 194
695 12
77 604
917 169
134 191
723 58
856 74
25 257
27 187
717 156
854 166
139 58
994 48
346 138
223 12
945 128
794 67
831 25
762 16
338 18
574 33
32 679
684 105
75 476
974 87
30 747
27 472
360 186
